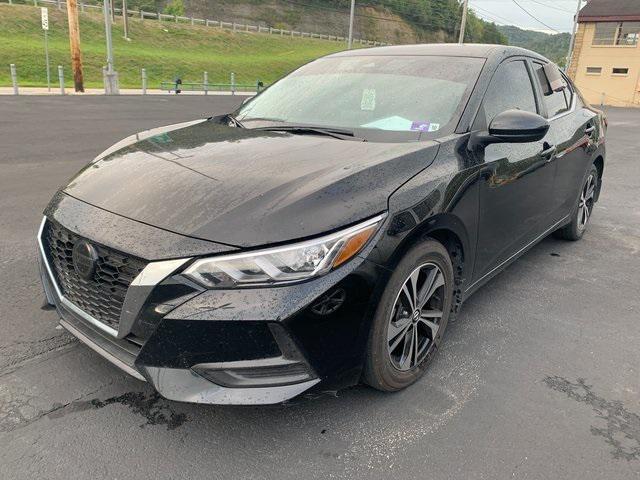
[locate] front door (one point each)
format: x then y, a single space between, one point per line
516 183
574 129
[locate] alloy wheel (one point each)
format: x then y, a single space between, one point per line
415 317
585 206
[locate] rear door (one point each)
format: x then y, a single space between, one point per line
516 182
573 129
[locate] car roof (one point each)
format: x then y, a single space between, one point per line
476 50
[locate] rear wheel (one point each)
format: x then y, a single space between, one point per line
584 209
411 318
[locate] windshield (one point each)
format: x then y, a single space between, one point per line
409 97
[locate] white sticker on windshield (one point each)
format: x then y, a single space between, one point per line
434 127
368 101
396 123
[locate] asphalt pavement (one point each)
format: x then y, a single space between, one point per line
539 376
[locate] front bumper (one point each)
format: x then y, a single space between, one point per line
249 346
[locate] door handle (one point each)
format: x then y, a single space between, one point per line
549 152
589 131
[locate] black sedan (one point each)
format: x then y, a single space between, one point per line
326 231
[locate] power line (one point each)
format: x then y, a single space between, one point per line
487 17
397 11
418 23
495 15
534 17
505 21
551 6
497 18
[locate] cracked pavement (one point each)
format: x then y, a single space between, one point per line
539 376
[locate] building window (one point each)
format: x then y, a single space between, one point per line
620 33
605 33
594 70
620 71
628 33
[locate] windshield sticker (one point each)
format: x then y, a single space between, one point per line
425 126
420 126
368 101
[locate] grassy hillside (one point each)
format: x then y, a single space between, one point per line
166 50
391 21
554 47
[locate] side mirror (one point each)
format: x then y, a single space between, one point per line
511 126
517 126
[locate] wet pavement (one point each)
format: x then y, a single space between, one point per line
539 376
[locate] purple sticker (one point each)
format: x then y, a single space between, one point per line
420 126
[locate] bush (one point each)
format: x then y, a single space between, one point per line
176 8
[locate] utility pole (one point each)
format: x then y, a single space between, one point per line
463 24
125 19
573 36
74 44
351 15
111 76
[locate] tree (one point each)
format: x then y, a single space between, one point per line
176 8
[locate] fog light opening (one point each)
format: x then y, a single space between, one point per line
253 377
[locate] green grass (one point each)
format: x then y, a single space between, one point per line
166 50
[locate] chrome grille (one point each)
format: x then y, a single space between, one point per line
102 295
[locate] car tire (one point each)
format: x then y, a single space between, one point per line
583 210
392 366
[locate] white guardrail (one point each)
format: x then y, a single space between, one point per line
233 26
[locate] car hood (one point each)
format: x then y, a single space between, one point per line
245 187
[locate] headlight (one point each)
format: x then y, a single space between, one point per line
286 264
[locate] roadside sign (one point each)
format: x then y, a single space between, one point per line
44 13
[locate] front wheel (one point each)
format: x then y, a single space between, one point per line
583 210
411 318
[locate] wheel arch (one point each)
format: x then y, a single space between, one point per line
451 232
599 164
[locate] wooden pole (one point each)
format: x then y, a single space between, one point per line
125 19
351 15
463 24
74 44
573 36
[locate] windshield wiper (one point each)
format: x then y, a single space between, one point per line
252 119
233 121
341 133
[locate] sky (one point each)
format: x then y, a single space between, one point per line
556 14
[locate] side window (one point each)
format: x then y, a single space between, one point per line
510 89
556 102
568 92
